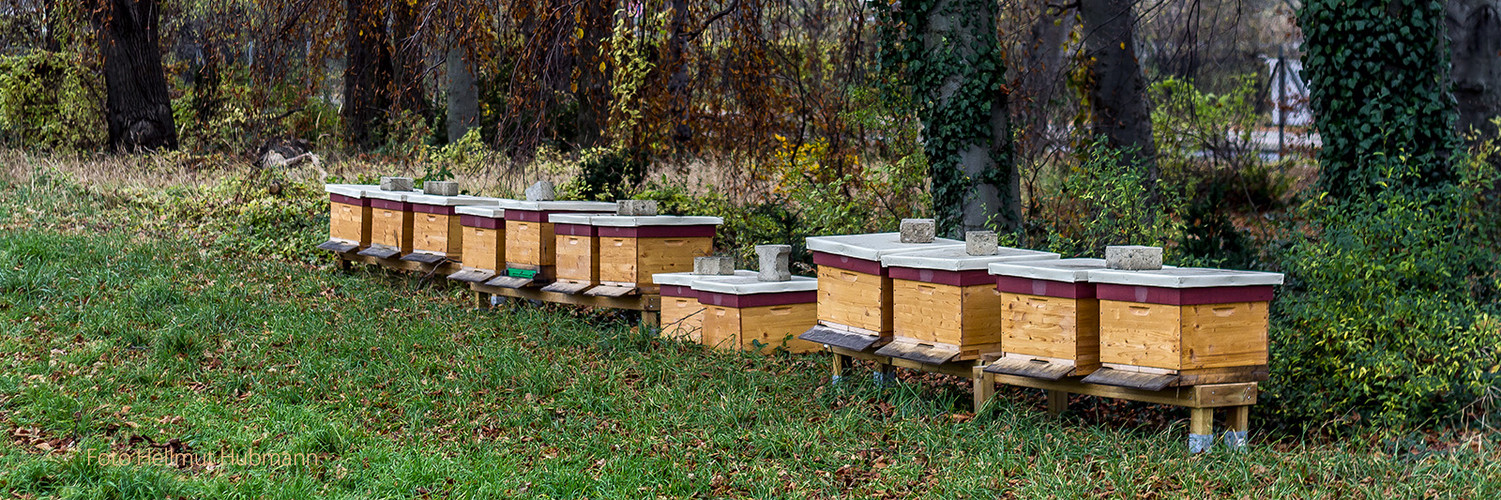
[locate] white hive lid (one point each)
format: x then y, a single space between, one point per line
1185 277
560 206
570 218
750 285
687 279
873 246
957 259
486 211
350 190
451 201
654 220
1064 270
389 195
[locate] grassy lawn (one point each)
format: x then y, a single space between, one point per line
115 339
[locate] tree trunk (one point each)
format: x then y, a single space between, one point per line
1475 32
677 84
463 96
1041 69
990 193
592 90
367 77
1117 89
137 106
407 58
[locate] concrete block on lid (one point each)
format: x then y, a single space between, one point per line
441 188
775 265
636 207
396 183
714 266
918 230
981 243
541 191
1133 258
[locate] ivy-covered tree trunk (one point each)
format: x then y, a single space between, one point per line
1116 88
1475 32
367 77
137 105
1040 69
1378 79
947 53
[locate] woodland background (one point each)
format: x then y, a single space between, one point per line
1063 125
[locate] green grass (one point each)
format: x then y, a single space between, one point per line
114 339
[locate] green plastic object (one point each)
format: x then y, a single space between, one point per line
521 273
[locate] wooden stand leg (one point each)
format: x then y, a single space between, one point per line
984 388
344 264
652 320
887 373
1200 429
1057 402
1238 424
840 365
482 300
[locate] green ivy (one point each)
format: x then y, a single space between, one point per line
913 65
1378 79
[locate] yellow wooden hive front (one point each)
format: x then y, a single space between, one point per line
530 241
946 305
633 248
349 217
484 243
1182 326
855 293
1050 318
682 314
744 313
437 233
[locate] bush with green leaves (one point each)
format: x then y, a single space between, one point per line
48 101
1099 201
1390 312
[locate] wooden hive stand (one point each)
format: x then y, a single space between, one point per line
1202 401
1050 318
854 290
947 307
650 305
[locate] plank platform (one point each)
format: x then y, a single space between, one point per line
644 303
444 269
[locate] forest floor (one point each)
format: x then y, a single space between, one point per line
128 331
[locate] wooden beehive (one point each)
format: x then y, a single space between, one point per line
744 313
484 243
437 233
530 241
391 224
577 253
854 290
1183 326
633 248
1050 318
946 305
348 217
682 314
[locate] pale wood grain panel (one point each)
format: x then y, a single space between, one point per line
773 325
1225 335
1140 334
683 319
483 248
391 228
530 243
438 233
855 299
578 258
349 222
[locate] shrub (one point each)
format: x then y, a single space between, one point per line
1389 312
1098 202
47 101
605 174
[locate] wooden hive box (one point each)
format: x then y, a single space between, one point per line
391 224
348 217
682 314
437 234
484 243
577 253
1050 318
854 290
1182 326
633 248
744 313
530 241
946 305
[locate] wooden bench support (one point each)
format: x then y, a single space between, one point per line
1201 400
888 365
441 270
649 305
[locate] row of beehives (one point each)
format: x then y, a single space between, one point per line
1124 320
595 248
